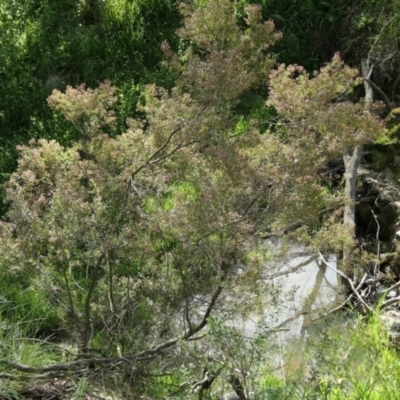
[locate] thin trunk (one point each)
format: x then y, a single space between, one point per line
237 386
351 163
87 321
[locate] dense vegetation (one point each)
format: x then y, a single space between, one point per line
146 149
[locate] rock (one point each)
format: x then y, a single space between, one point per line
230 396
391 320
389 194
396 244
380 289
388 175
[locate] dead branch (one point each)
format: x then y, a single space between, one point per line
342 274
205 384
389 302
137 357
395 286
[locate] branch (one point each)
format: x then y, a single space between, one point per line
343 275
85 336
189 322
70 300
237 386
162 147
377 241
381 92
178 147
210 307
242 218
366 70
389 302
62 366
291 270
166 143
147 163
140 356
113 306
395 286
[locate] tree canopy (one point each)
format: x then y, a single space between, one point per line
138 233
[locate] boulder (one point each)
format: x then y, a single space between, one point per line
391 320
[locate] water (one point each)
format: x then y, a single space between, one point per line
299 290
308 291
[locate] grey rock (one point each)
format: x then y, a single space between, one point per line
391 319
230 396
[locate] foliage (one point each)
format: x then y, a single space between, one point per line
311 29
320 107
47 45
372 32
136 231
315 112
126 230
360 364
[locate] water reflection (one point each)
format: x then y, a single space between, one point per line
308 290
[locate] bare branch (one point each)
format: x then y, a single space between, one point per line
381 93
395 286
166 143
178 147
342 274
86 327
389 302
209 309
113 306
377 243
127 359
242 218
62 366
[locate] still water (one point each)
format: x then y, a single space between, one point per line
308 289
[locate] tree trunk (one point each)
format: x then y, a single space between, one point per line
237 386
352 161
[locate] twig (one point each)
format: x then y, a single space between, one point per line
358 295
362 281
70 300
344 303
291 270
62 366
378 248
210 307
140 356
381 92
389 302
342 274
334 310
242 218
395 286
113 306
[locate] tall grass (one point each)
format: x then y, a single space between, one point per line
358 363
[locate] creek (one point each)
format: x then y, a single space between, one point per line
308 290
